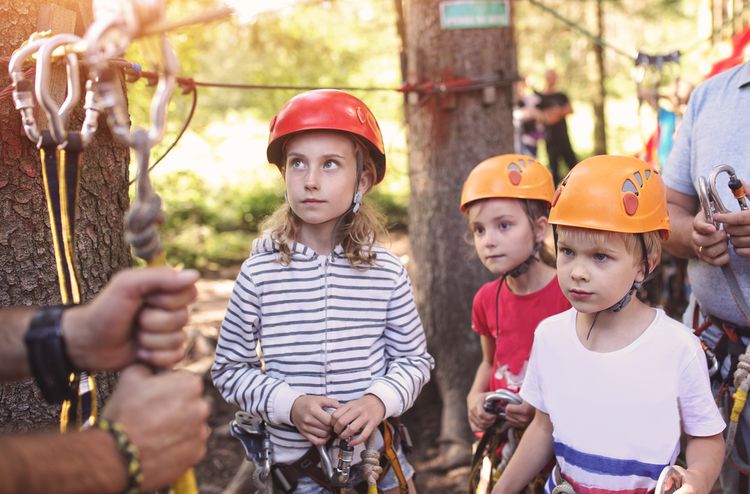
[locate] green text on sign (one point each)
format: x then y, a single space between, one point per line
469 14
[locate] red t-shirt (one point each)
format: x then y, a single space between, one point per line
518 319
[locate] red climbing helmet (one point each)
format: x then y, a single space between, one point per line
326 109
613 193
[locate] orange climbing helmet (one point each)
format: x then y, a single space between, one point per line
509 175
612 193
326 109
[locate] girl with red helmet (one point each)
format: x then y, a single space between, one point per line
342 344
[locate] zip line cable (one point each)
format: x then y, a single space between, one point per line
190 85
597 39
602 42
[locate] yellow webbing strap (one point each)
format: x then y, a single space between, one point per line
389 449
60 176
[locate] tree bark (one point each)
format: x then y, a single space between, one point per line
27 273
448 135
599 96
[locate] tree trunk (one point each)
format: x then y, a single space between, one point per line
448 135
599 96
28 275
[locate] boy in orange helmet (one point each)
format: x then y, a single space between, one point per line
614 382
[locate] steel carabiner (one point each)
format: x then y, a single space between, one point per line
109 36
23 89
709 193
669 481
57 116
496 401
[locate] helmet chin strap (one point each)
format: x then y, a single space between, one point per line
525 265
618 306
625 300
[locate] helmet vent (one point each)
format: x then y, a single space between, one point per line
648 174
639 178
629 186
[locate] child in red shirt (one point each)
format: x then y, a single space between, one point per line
506 200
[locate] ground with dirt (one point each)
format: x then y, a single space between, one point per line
225 454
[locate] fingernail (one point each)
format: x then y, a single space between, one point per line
188 275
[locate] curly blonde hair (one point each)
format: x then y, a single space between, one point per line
356 232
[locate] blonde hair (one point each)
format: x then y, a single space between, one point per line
534 209
652 241
356 232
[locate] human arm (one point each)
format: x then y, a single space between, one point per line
532 454
236 372
76 463
408 364
704 457
138 315
163 415
480 420
692 235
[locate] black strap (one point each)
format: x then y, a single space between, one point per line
61 175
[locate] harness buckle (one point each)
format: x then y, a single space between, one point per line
256 441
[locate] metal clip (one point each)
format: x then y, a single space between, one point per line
496 401
23 94
325 462
255 439
671 477
343 469
709 193
57 115
109 36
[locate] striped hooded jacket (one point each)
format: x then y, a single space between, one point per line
324 329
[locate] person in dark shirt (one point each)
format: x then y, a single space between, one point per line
554 107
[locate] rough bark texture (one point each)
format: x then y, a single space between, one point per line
27 266
444 145
599 93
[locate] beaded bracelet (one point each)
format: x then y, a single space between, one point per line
128 450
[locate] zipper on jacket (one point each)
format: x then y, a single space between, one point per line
326 261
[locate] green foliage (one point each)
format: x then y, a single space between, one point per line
212 226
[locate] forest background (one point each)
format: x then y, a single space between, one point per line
216 183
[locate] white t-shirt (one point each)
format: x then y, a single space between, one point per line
617 416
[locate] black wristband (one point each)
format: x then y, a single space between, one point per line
48 357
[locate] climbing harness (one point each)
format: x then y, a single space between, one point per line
711 203
256 441
497 445
337 477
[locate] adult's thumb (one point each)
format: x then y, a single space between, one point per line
135 373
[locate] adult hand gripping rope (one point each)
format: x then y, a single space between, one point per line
711 203
116 24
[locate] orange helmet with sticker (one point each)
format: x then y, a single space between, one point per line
513 176
612 193
326 109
